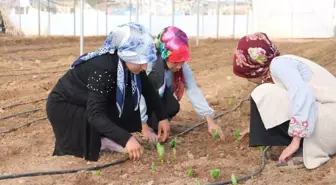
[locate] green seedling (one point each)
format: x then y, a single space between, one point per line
261 148
98 172
173 146
234 179
236 133
215 173
198 182
190 172
153 167
161 152
230 101
215 134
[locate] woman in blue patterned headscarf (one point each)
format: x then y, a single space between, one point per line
95 105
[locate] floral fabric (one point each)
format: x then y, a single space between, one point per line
253 56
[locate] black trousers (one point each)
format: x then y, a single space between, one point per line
171 105
276 136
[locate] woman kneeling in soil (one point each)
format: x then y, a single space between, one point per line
171 75
294 104
95 105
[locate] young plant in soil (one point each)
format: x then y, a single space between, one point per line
97 173
190 172
161 152
234 180
215 173
230 100
236 134
261 148
173 146
153 167
215 134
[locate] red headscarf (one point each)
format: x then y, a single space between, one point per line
253 57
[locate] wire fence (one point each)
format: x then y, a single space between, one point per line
198 18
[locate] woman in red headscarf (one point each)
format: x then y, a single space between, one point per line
293 104
172 77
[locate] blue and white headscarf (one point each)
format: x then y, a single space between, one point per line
134 44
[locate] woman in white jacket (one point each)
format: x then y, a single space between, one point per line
293 105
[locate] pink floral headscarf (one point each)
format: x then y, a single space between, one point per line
253 57
172 45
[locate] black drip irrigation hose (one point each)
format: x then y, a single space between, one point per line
22 125
13 176
247 177
216 117
20 113
27 74
23 103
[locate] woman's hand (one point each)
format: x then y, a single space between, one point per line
290 150
164 127
149 134
212 126
133 148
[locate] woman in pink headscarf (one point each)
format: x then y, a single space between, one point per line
293 104
172 77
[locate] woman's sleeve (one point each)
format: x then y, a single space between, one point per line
195 95
100 84
143 110
152 97
302 102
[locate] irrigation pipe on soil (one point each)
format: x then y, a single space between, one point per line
13 176
28 74
23 103
22 125
20 113
243 178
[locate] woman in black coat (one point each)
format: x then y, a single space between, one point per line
95 105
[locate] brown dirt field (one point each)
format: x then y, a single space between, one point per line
29 149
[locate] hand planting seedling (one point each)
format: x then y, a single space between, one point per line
234 180
215 134
215 173
153 167
161 152
173 146
190 172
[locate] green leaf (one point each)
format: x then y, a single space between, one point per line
234 180
98 173
190 172
215 134
174 153
153 167
173 143
161 151
236 133
261 148
230 101
198 182
215 173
